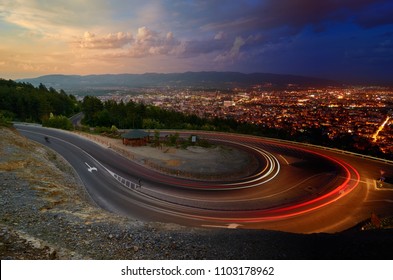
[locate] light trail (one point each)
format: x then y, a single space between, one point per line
283 212
271 170
381 127
227 215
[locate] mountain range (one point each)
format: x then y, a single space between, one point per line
217 80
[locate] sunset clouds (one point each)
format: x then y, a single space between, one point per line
109 41
333 39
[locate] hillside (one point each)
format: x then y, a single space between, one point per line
46 214
219 80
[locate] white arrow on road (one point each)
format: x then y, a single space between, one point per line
90 169
232 226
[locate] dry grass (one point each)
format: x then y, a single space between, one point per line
44 171
12 165
173 162
50 176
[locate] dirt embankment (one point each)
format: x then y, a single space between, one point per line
46 214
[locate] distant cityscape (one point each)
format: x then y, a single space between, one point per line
365 112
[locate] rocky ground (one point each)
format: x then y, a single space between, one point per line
45 214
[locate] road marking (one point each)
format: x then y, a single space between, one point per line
90 169
284 159
360 181
231 226
125 182
373 184
234 225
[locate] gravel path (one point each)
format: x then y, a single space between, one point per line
45 214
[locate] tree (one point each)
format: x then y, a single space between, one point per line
91 106
172 139
33 104
156 138
61 122
151 124
42 88
6 118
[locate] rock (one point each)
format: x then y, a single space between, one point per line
53 255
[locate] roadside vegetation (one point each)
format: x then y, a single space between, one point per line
61 122
26 103
5 121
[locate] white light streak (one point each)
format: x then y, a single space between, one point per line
381 127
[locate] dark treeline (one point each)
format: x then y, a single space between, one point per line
138 116
24 102
141 116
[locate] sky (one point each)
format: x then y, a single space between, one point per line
346 40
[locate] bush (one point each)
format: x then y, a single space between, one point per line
61 122
6 118
172 139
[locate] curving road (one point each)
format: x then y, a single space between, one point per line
294 188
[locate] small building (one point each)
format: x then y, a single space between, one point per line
135 138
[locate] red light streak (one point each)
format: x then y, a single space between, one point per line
279 213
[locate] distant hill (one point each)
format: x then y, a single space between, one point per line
219 80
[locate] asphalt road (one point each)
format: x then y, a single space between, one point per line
295 188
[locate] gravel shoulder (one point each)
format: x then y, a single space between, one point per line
46 214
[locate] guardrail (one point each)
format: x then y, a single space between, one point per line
282 141
125 182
